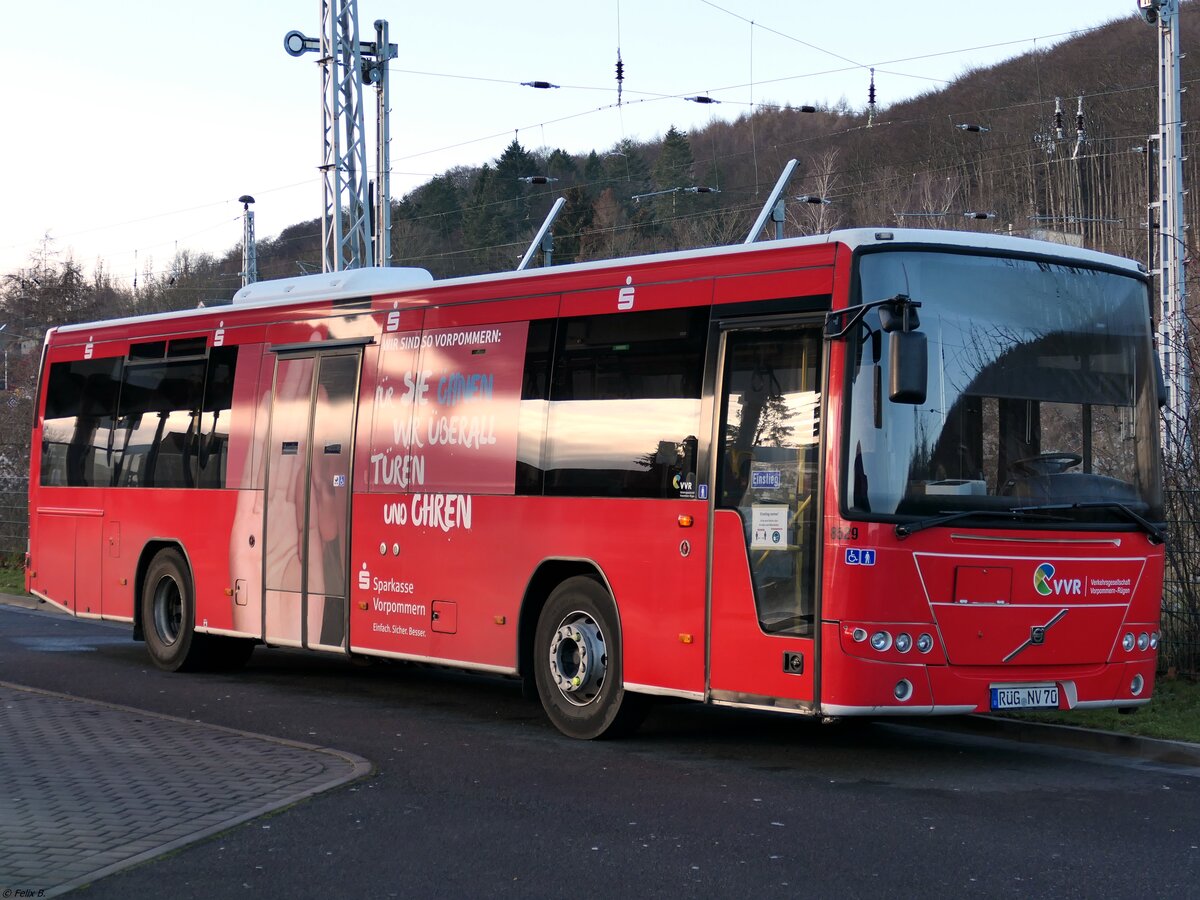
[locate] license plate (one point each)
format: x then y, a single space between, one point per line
1025 696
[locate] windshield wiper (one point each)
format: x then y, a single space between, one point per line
1024 513
1157 535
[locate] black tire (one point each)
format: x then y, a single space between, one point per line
169 614
577 663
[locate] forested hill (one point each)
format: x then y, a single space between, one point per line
911 165
911 159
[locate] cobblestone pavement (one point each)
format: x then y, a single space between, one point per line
87 789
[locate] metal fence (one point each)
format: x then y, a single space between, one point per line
1179 652
14 502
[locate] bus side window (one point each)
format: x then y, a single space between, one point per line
157 416
77 427
212 447
626 386
535 396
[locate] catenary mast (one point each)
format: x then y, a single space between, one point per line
346 233
1172 323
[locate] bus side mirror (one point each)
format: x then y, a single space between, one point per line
1160 383
908 371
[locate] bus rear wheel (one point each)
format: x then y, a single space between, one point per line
577 663
168 610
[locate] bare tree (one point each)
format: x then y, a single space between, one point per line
822 216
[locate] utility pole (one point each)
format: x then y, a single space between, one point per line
1086 213
249 249
346 243
376 72
1172 324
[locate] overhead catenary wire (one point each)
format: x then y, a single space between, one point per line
657 96
669 96
653 96
1013 150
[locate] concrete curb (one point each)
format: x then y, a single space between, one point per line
25 601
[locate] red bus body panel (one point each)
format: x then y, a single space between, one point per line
484 570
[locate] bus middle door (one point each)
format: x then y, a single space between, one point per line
310 459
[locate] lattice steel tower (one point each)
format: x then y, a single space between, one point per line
345 220
249 246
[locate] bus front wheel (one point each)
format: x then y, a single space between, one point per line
169 613
577 663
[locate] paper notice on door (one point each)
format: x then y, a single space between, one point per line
768 527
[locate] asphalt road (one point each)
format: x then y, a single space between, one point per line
475 794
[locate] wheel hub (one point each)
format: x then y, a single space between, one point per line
578 658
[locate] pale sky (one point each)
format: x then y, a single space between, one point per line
133 126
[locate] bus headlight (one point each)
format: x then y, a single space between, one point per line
1143 641
881 640
1154 640
1127 642
903 643
924 643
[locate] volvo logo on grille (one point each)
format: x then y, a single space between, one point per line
1037 635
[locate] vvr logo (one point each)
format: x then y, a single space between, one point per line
680 484
1046 584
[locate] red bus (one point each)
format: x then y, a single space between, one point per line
866 473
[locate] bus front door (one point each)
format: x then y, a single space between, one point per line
765 534
309 468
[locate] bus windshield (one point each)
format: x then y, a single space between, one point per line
1041 392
